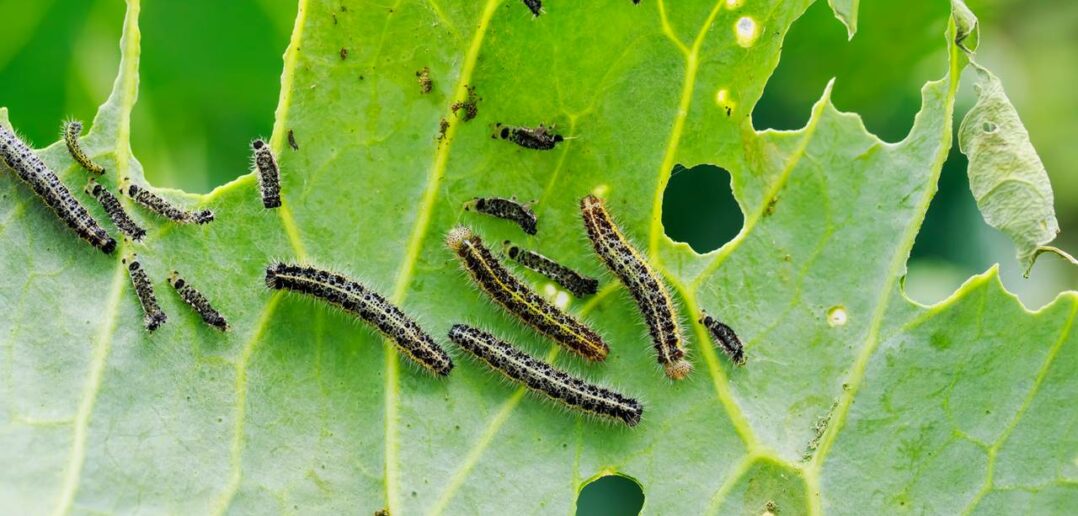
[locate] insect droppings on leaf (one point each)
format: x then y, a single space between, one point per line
443 126
423 78
468 108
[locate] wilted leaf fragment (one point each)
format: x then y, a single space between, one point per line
1006 176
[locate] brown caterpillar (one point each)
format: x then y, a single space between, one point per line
519 300
32 171
647 289
578 284
72 131
365 304
544 378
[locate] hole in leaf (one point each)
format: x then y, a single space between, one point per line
699 207
989 127
873 76
955 242
203 101
610 495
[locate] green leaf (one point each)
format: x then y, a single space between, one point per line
1006 175
846 12
895 407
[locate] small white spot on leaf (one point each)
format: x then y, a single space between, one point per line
747 31
836 316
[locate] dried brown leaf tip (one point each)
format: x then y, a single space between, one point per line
423 78
468 108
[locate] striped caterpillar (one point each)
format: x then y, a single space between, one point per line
365 304
647 289
544 378
32 171
72 131
519 300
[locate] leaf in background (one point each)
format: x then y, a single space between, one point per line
854 399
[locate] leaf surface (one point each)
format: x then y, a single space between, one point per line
854 399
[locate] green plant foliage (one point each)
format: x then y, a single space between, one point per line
853 400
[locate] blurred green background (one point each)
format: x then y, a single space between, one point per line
211 76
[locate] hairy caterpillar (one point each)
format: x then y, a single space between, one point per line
160 206
544 378
508 209
115 211
269 174
32 171
366 305
535 6
724 337
72 131
154 317
197 302
538 138
647 289
519 300
578 284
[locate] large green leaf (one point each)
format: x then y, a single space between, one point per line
854 399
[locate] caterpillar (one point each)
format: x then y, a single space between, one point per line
544 378
508 209
115 211
647 289
72 131
153 317
535 6
164 208
538 138
519 300
578 284
724 337
365 304
197 302
32 171
269 174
